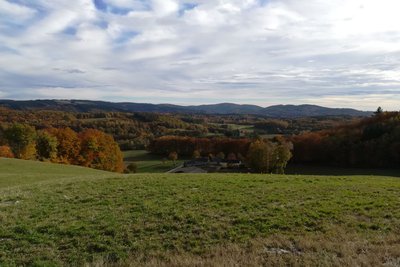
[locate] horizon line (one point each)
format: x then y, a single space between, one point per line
181 105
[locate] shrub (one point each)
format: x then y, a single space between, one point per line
173 156
5 152
131 168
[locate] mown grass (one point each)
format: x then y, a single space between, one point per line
199 219
149 163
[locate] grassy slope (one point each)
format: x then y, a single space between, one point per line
148 163
16 172
218 219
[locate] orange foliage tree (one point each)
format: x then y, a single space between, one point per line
100 151
68 145
5 152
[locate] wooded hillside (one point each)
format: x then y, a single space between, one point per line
371 142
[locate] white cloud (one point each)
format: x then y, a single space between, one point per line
68 93
336 53
389 101
165 7
15 11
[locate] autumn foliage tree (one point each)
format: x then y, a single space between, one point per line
5 152
68 145
259 156
90 148
266 157
100 151
173 156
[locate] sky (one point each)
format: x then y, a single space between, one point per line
336 53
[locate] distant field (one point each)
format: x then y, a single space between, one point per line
247 128
241 127
148 163
56 215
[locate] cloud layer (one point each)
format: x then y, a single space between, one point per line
338 53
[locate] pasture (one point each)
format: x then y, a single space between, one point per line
149 163
55 215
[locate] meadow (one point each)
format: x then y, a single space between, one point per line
149 163
57 215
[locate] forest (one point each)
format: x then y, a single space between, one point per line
136 130
370 142
335 141
89 148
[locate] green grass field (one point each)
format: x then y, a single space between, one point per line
55 215
148 163
16 172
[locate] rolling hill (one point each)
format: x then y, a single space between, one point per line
14 172
279 111
78 217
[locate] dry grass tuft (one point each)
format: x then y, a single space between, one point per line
278 250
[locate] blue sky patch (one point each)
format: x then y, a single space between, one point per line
70 31
102 24
119 11
100 5
7 49
186 7
126 36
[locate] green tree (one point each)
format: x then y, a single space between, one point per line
3 140
259 156
21 139
281 156
46 146
131 168
378 111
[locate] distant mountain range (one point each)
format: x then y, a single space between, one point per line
278 111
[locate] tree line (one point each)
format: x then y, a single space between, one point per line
371 142
185 146
260 155
90 148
